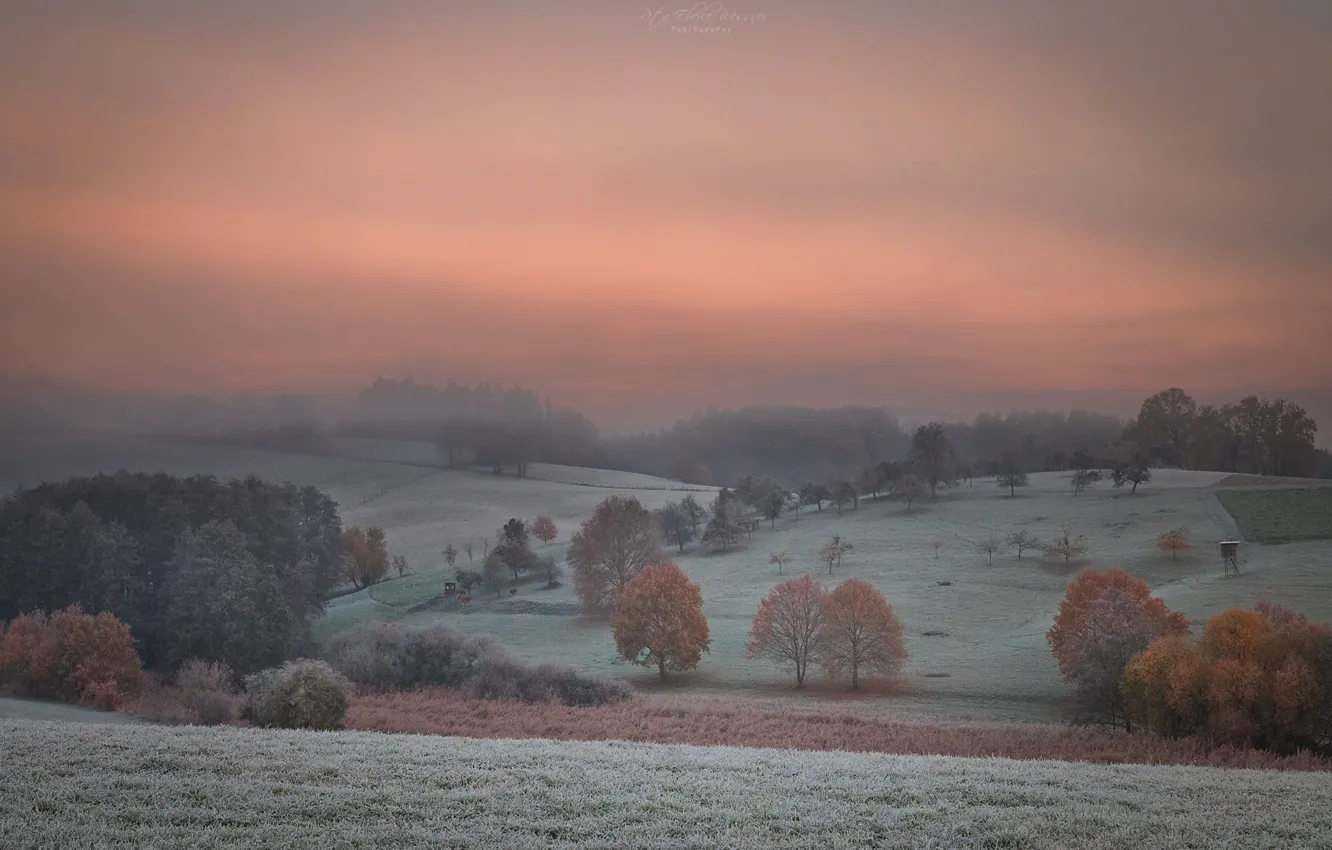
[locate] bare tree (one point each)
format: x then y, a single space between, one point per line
675 525
450 554
788 628
937 543
617 543
988 546
1084 478
467 547
692 509
1067 546
772 506
907 489
831 552
1022 540
781 559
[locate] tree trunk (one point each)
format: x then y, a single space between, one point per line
661 668
855 676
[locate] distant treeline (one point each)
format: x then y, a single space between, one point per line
792 444
197 567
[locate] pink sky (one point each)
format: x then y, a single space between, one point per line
930 204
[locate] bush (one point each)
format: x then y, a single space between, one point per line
206 690
302 694
73 657
388 658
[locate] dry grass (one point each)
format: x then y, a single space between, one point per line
73 785
728 723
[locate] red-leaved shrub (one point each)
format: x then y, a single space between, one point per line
72 656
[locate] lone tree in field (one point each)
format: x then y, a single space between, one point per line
1010 476
831 552
1022 540
467 547
788 628
1174 541
728 524
659 620
1084 478
781 559
513 548
938 544
932 455
1132 470
863 635
675 525
907 489
773 505
617 543
988 546
1105 620
365 558
692 509
400 565
451 555
544 529
1067 546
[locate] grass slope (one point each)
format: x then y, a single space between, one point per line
74 785
1284 515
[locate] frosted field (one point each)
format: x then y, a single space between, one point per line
75 785
987 659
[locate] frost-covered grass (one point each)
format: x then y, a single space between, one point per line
69 785
1281 515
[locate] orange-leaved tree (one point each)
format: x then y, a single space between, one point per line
72 656
788 628
863 635
612 547
1105 620
1174 541
365 556
1256 678
659 621
544 529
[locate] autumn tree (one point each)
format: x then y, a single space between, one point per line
863 635
658 621
1165 425
988 545
71 656
728 524
932 455
691 470
789 626
365 555
1084 478
675 525
544 529
781 559
1022 540
773 505
1067 545
1106 619
1174 541
907 489
618 542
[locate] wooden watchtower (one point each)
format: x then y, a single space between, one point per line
1230 556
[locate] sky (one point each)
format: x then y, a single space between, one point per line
935 205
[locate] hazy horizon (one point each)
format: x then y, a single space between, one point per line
942 207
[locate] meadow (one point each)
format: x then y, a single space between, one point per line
975 631
105 786
1281 515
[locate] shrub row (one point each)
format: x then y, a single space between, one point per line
389 658
71 656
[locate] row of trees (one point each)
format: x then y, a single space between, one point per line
1255 435
242 566
850 630
1258 678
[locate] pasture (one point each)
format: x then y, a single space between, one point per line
1284 515
975 631
99 786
